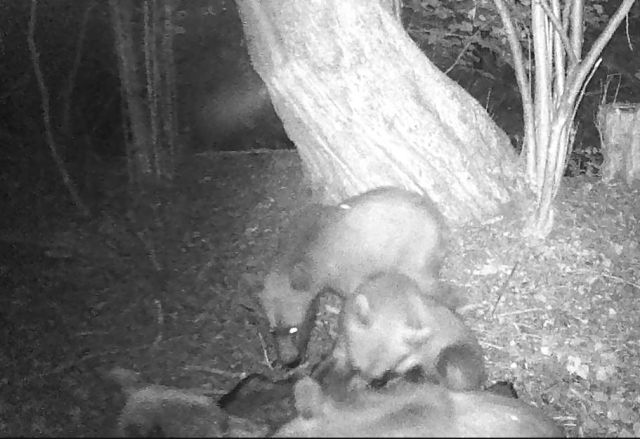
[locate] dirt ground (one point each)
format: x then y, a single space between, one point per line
169 292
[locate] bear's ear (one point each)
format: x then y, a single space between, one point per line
418 312
361 309
309 398
300 277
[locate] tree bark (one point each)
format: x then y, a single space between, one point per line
366 108
139 148
619 127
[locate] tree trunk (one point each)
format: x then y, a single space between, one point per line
139 149
366 108
561 76
619 127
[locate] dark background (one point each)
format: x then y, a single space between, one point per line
222 103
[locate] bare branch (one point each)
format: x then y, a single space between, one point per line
577 26
521 77
565 16
558 28
578 73
46 116
462 52
71 80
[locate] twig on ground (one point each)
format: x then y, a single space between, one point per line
265 353
485 344
619 279
519 312
216 371
503 287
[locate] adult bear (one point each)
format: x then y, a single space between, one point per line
336 247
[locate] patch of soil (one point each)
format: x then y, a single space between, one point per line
170 292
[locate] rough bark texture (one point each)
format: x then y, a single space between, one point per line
366 108
619 126
139 151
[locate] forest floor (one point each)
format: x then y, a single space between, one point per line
83 297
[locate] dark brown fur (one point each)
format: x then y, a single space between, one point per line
159 411
388 326
262 400
406 410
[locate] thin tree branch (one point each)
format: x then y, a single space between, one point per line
565 16
71 80
46 116
577 26
462 52
521 77
558 27
579 72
